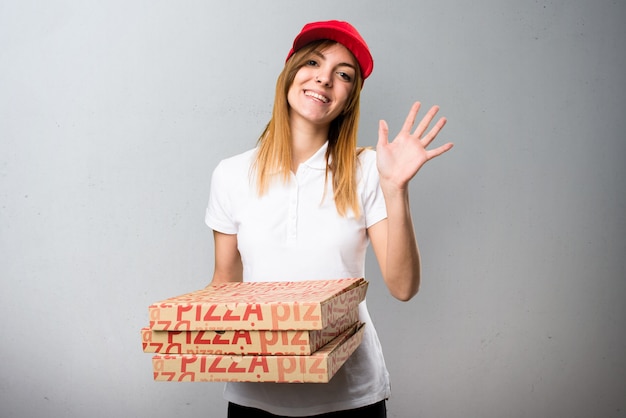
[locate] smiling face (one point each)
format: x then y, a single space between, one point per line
322 87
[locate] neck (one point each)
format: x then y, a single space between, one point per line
305 141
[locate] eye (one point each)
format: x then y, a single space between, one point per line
345 76
311 63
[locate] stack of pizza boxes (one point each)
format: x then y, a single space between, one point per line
256 331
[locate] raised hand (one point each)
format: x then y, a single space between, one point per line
398 161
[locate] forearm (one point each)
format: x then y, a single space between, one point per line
228 264
221 275
402 267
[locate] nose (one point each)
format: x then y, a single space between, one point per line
323 78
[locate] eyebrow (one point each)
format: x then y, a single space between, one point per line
341 64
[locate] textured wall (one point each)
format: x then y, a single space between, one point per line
114 114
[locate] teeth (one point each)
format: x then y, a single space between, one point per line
317 96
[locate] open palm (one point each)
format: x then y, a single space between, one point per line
398 161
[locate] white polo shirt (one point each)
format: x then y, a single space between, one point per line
294 233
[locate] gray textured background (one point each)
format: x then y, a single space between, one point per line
113 115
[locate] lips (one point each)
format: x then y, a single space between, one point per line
317 96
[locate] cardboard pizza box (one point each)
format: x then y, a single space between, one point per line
318 367
263 342
305 305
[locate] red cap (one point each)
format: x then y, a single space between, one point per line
337 31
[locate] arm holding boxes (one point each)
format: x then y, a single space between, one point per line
228 266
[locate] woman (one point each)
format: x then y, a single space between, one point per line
304 204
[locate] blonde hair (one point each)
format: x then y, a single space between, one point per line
274 144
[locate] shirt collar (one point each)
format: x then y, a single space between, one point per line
318 160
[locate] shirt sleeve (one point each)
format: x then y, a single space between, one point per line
373 199
219 212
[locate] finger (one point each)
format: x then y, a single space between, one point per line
423 125
410 119
432 134
430 154
383 133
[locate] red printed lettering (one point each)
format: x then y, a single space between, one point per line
310 315
180 309
209 314
172 335
164 325
234 369
258 361
298 338
218 339
169 375
190 375
157 365
228 316
185 361
285 365
265 341
279 313
296 312
200 338
253 309
184 325
315 367
242 334
213 368
155 313
171 349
